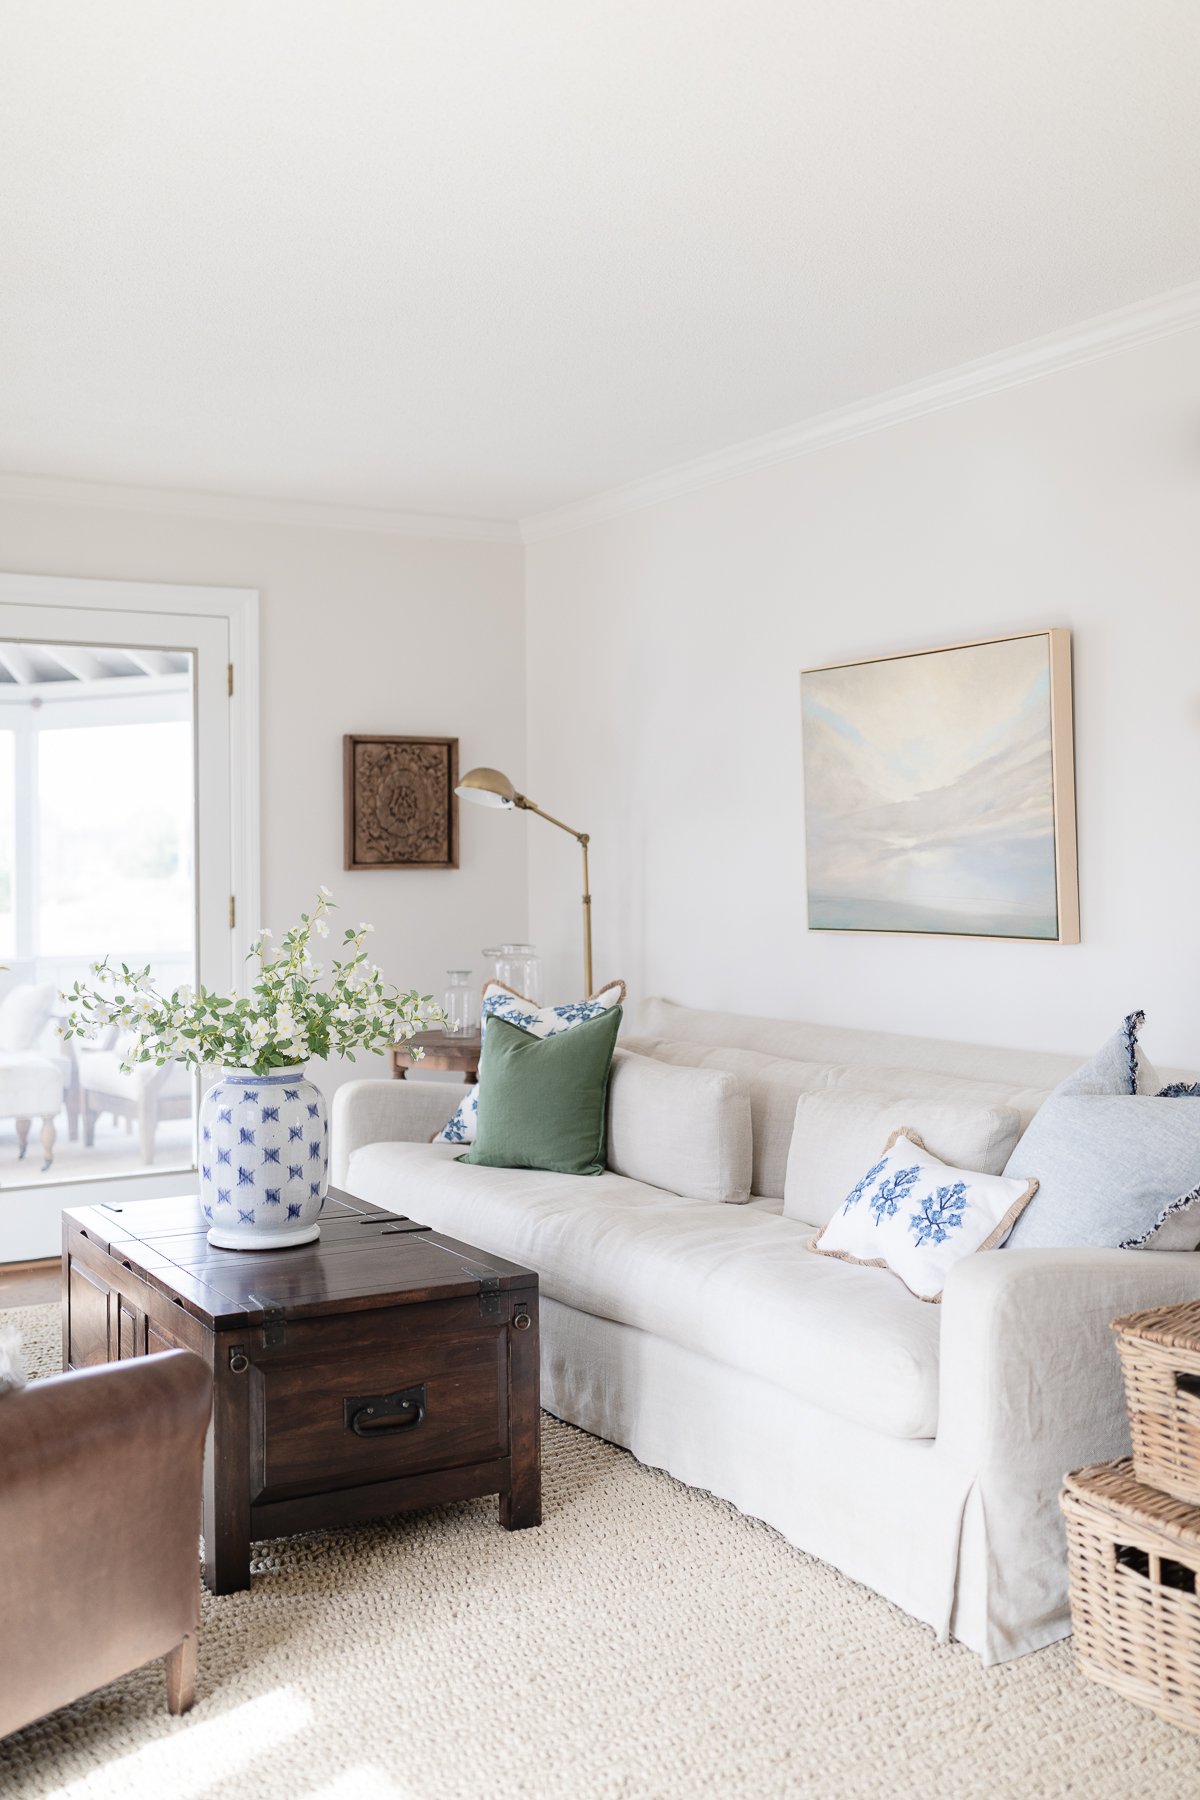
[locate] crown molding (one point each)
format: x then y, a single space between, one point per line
184 504
1136 324
1101 336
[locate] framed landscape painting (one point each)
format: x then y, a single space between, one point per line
939 791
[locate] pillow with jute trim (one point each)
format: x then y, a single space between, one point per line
503 1002
918 1216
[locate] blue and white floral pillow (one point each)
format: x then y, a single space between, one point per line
915 1215
539 1021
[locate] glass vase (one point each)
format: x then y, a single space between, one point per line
459 1003
519 967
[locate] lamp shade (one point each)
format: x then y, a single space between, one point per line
487 787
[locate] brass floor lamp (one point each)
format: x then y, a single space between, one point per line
488 787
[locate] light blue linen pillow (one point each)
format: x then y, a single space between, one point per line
1116 1157
1120 1066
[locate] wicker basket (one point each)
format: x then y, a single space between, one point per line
1134 1561
1160 1354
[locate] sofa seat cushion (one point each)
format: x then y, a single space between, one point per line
735 1283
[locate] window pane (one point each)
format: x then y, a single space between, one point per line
97 828
8 943
116 872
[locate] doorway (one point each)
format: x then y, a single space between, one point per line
126 775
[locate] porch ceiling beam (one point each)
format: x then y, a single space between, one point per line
84 665
151 662
19 663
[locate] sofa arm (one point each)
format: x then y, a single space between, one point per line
1030 1377
380 1112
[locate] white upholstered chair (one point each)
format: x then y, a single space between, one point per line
143 1094
32 1064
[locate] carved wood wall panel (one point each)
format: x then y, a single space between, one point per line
401 811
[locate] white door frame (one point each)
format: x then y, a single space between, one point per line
237 609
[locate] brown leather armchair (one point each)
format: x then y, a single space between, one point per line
100 1476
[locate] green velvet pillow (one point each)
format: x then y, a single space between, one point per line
542 1100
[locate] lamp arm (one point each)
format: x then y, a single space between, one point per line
582 839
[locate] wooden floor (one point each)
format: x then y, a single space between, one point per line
30 1283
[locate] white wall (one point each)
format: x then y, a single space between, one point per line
361 631
664 652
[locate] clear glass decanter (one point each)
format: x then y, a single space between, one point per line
459 1001
519 967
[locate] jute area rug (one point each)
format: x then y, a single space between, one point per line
647 1641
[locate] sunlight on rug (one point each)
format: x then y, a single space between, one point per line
648 1642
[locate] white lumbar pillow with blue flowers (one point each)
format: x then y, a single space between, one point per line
915 1215
504 1002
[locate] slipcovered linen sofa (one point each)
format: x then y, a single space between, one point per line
918 1448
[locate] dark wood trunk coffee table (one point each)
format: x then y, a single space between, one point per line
382 1368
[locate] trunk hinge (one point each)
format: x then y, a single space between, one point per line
274 1325
489 1295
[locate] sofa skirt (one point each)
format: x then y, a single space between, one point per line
888 1512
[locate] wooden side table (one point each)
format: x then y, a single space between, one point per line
456 1051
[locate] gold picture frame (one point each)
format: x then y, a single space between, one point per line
939 791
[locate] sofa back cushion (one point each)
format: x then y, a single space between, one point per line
23 1013
687 1130
773 1083
839 1133
799 1041
923 1084
776 1083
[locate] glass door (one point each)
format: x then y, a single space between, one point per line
114 843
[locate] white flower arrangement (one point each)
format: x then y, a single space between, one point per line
286 1018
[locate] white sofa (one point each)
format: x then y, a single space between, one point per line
918 1448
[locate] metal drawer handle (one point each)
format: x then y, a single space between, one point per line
383 1415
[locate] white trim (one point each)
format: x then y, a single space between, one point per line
244 765
323 514
239 607
1174 311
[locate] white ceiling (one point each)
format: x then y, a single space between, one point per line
486 257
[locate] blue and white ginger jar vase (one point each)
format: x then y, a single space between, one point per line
264 1159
